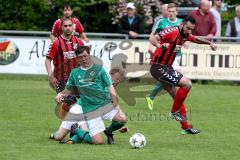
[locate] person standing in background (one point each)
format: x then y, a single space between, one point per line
205 22
216 11
233 26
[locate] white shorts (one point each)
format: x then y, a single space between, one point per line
75 109
176 62
96 125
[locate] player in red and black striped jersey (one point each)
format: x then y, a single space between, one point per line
62 53
77 26
168 43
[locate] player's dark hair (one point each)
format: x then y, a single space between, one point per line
67 6
81 49
189 19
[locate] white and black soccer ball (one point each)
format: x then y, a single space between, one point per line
137 141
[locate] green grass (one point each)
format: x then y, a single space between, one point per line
27 118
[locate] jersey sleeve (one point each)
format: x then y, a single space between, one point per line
107 81
52 49
169 33
70 83
80 42
79 27
56 28
191 38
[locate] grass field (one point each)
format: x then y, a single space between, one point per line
27 118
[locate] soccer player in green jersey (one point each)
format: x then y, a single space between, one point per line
160 25
97 98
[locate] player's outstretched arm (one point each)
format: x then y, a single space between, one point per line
200 40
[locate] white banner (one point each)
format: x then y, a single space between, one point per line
26 55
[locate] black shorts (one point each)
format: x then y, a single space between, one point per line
163 73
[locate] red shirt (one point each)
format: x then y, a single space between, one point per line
57 31
62 52
205 24
172 36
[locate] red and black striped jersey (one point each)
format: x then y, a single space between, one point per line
57 31
172 36
62 52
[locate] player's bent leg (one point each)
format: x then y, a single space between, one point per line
118 119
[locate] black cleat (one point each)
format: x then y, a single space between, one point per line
178 117
110 139
73 129
191 131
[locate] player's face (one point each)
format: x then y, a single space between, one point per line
67 27
187 28
172 13
67 12
116 78
84 59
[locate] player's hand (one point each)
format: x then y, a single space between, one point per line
213 46
52 81
165 45
59 97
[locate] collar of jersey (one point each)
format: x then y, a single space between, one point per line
172 21
82 68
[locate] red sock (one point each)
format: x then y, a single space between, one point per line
183 112
179 99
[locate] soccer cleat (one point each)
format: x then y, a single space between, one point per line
178 117
73 129
149 102
190 131
110 139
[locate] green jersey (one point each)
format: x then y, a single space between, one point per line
165 23
93 85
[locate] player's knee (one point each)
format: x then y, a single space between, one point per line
189 84
98 141
58 136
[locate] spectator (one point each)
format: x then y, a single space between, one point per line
164 13
205 23
131 24
233 26
216 9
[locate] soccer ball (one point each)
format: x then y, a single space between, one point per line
137 141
